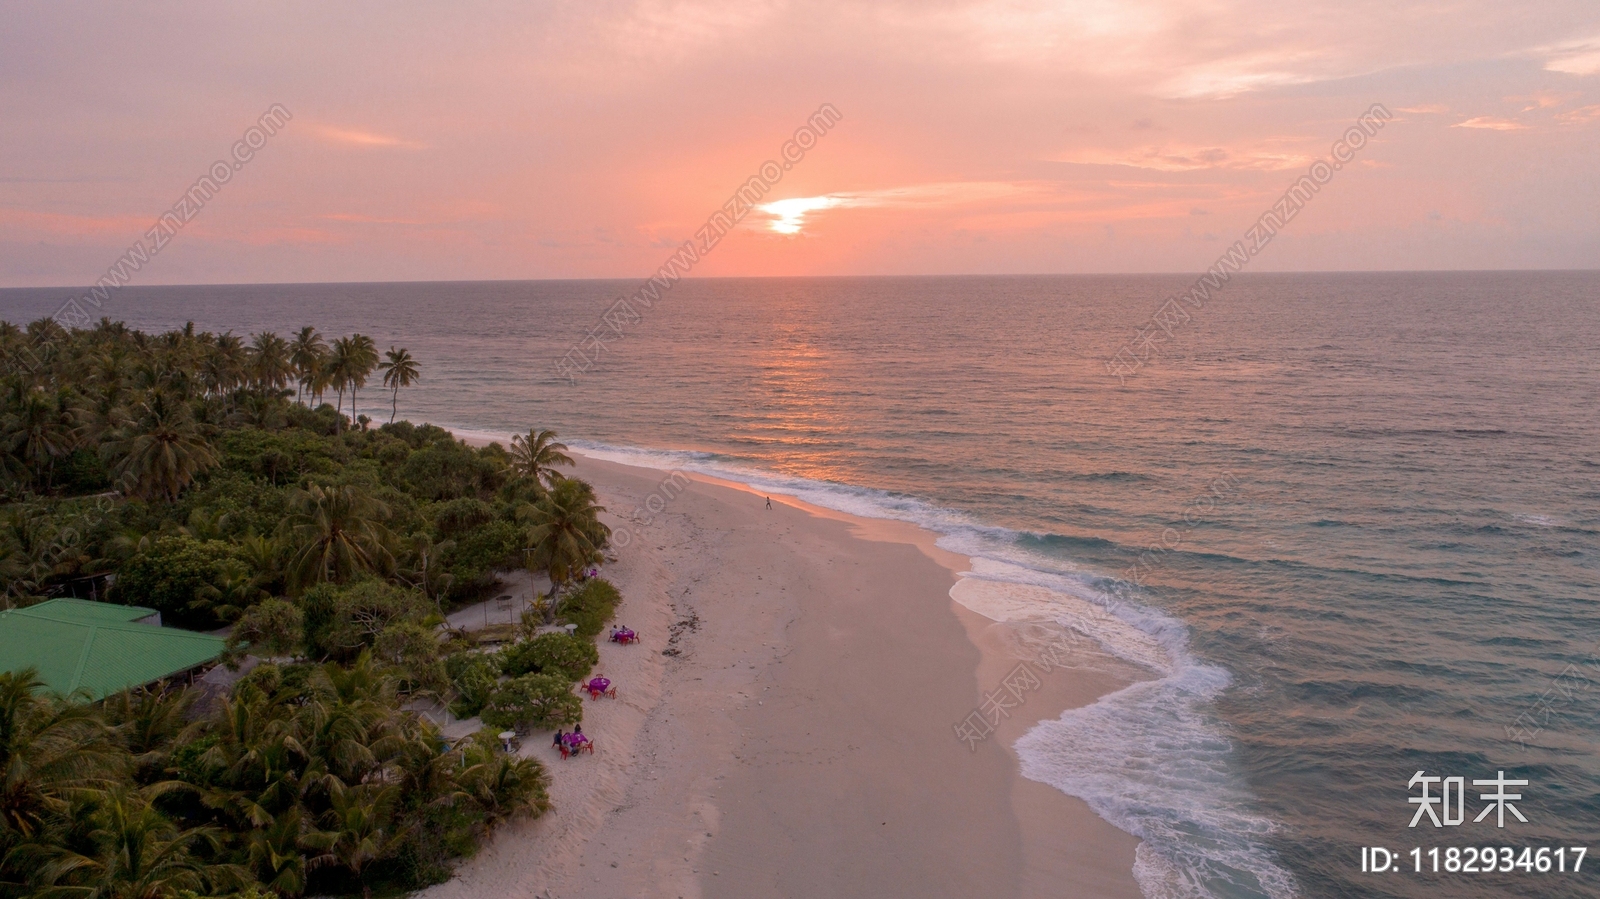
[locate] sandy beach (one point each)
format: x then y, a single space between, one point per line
786 726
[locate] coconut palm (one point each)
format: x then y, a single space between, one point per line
334 533
565 532
226 364
361 822
49 750
535 456
38 430
361 359
161 452
141 854
149 724
399 370
271 362
307 353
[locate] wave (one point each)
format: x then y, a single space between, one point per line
1150 758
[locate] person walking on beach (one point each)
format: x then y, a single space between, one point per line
769 504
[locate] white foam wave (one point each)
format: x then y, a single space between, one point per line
1148 758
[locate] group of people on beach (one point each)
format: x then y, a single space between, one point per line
569 743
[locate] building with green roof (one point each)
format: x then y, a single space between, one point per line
99 648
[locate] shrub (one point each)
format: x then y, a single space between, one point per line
340 621
554 654
274 627
480 552
81 472
533 700
415 650
458 516
475 675
449 470
176 576
590 606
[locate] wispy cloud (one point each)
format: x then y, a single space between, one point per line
1189 159
1491 123
357 138
368 219
1578 57
1580 116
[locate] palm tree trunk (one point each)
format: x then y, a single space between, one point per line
394 409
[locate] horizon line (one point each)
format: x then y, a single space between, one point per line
1167 274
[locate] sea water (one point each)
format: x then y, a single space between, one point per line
1348 524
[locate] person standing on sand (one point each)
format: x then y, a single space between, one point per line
769 504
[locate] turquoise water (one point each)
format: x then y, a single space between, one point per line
1377 493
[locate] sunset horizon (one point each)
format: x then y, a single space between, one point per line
751 449
972 138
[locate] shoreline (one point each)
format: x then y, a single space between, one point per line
803 741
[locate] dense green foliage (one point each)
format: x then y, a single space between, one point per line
179 577
305 780
199 439
555 654
473 676
590 606
203 475
533 700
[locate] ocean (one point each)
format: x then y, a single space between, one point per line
1349 522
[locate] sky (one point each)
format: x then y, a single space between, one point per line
486 140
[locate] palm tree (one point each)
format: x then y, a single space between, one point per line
361 823
334 533
161 452
503 786
149 724
424 571
565 531
399 370
40 430
271 364
225 366
49 750
340 362
536 455
141 854
307 353
362 358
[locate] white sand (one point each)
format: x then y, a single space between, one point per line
801 744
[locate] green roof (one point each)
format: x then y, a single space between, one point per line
89 612
97 647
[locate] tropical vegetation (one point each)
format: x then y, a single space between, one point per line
204 475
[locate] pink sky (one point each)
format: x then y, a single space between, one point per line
576 140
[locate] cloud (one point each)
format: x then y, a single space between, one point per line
1540 100
1425 109
1579 57
1491 123
368 220
789 216
1580 116
356 138
1189 159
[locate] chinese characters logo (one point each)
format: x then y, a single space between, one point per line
1447 808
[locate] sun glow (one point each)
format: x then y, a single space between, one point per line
788 216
